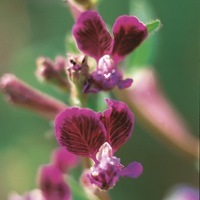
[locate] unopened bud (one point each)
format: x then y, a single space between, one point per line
60 64
77 68
20 94
46 71
78 73
52 183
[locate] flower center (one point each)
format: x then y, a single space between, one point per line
105 64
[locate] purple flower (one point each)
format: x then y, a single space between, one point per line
63 159
93 39
52 183
98 136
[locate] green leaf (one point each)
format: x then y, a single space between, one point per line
77 191
155 25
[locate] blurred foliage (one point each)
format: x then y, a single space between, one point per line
30 29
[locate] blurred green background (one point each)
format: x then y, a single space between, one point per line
31 28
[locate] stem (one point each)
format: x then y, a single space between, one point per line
155 112
102 195
80 99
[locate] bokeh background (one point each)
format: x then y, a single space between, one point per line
31 28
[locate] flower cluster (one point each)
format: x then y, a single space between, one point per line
82 131
94 40
98 136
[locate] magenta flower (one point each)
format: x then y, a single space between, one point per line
52 183
94 40
63 159
98 136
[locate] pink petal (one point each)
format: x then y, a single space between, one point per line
118 120
125 83
63 159
80 131
128 34
91 35
52 183
133 170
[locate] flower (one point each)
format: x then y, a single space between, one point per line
98 136
52 184
63 159
93 39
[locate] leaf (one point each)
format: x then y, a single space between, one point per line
155 25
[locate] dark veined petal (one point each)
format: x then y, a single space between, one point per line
118 121
80 131
91 35
128 34
52 183
133 170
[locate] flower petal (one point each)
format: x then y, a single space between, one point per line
63 159
52 184
80 131
128 34
125 83
133 170
91 35
106 81
118 120
105 173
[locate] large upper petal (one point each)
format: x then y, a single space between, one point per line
128 34
91 35
80 131
118 121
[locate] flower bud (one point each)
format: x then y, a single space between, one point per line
46 71
52 184
20 94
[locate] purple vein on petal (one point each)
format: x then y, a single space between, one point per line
80 131
118 120
91 35
128 34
